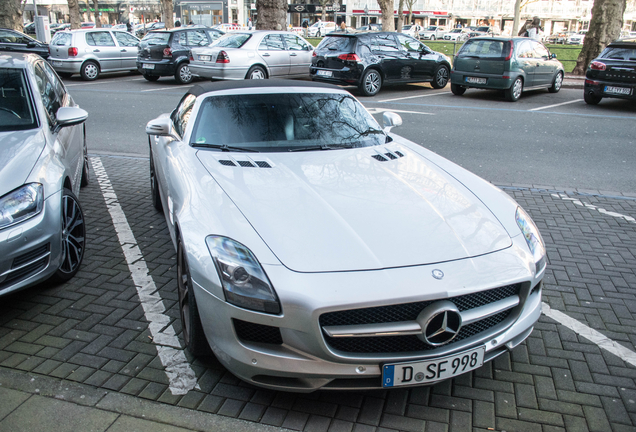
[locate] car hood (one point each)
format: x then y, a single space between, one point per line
344 210
19 151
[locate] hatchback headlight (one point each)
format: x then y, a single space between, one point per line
533 238
244 281
21 204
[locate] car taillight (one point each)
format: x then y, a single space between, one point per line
509 56
72 52
590 82
190 56
222 57
167 52
349 57
595 65
313 54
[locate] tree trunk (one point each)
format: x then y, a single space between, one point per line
10 15
168 9
323 3
386 6
272 14
400 12
98 19
605 26
73 10
88 12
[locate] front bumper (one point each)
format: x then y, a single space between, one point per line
599 88
497 82
303 360
30 251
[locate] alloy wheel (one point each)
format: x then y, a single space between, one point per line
185 291
442 77
516 89
185 74
372 83
73 235
257 74
558 82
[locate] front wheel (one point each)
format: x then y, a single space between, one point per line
73 237
457 89
432 38
591 98
256 72
371 82
183 74
557 83
192 332
89 71
514 92
440 78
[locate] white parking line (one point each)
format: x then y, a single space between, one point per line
99 82
590 334
593 207
180 375
164 88
556 105
412 97
381 110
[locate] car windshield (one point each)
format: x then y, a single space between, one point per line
619 53
484 48
408 27
431 28
285 122
157 38
456 31
16 110
482 29
232 40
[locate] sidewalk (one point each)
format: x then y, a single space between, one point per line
34 403
573 81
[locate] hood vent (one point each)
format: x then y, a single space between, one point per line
227 163
387 156
245 164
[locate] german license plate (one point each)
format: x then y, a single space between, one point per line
204 57
324 73
148 66
475 80
422 372
57 63
618 90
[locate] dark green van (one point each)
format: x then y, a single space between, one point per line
510 64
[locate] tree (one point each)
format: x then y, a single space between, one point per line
272 14
98 20
400 12
410 4
167 12
605 26
386 7
73 10
11 14
323 4
88 12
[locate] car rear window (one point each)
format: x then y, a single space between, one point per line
157 38
61 39
619 53
16 110
232 40
336 43
485 48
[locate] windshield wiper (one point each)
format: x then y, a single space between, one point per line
310 148
224 147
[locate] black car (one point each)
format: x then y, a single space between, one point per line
613 73
14 41
371 60
166 52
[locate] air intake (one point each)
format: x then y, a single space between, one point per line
246 164
379 158
227 163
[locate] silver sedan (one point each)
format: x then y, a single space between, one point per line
43 163
253 55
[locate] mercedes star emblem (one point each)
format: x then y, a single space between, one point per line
438 274
440 323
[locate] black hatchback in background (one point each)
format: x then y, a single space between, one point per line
14 41
370 60
613 73
166 52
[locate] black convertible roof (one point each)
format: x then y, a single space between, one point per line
202 88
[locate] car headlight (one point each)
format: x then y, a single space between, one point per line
21 204
533 238
244 281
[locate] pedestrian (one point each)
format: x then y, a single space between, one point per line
249 23
343 26
129 27
177 23
533 29
305 27
523 32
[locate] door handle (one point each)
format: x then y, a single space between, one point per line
96 50
124 50
265 54
293 54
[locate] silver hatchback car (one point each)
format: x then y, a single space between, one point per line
43 163
89 52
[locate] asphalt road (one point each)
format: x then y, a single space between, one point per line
543 139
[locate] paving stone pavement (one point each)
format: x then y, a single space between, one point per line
92 330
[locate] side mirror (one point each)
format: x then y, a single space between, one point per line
553 56
161 126
70 116
391 120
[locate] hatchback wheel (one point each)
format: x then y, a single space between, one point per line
256 72
440 78
371 82
183 74
514 92
457 89
151 78
73 237
557 83
89 71
591 99
192 332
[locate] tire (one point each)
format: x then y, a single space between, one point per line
192 330
591 99
557 83
154 187
183 74
65 74
432 38
458 90
85 181
256 72
89 71
371 82
440 78
151 78
514 92
73 237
